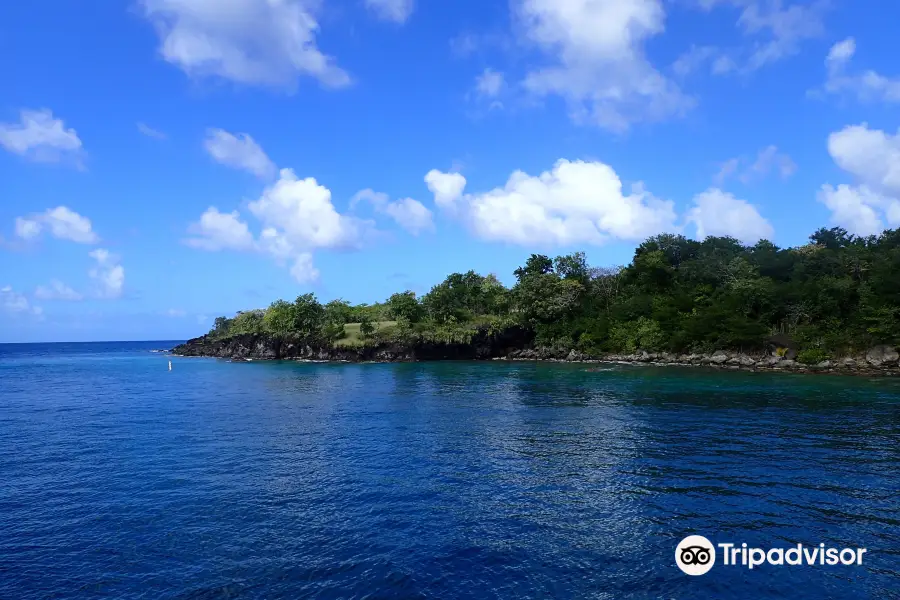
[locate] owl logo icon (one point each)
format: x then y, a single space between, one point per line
695 555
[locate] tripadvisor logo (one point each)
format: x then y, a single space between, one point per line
696 555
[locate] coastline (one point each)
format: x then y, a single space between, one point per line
879 361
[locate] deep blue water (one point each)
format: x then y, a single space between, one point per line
121 479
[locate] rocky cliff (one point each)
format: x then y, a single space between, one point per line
517 344
484 345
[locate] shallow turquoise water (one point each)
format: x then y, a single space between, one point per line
121 479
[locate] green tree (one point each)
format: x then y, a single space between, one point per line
279 318
249 322
366 327
338 312
405 307
309 315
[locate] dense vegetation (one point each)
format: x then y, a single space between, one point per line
838 294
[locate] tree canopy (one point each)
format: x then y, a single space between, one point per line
838 293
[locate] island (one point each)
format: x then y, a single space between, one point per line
832 305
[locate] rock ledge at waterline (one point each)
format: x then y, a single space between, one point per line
513 345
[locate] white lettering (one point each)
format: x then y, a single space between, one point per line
726 547
757 557
775 556
796 552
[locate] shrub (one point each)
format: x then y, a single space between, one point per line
812 356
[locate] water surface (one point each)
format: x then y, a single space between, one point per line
121 479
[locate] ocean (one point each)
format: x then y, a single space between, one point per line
122 479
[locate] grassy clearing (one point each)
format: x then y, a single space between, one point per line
352 336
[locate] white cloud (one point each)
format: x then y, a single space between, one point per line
150 132
768 160
27 229
840 53
785 26
596 48
575 202
727 169
718 213
872 157
62 222
41 137
175 313
866 86
302 212
775 28
446 187
254 42
303 270
220 231
57 290
108 273
410 214
296 217
703 57
397 11
16 303
239 152
858 209
490 83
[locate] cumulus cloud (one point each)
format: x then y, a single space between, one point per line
41 137
409 213
61 222
597 61
300 211
397 11
872 157
239 152
57 290
718 213
865 86
107 273
296 217
253 42
446 187
859 209
150 132
16 303
220 231
767 161
575 202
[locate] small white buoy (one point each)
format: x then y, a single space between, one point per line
170 365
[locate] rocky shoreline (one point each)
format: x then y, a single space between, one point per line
516 345
878 361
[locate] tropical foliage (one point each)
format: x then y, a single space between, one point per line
838 293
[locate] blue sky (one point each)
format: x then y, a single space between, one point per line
166 161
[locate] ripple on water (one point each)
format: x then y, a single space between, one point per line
443 480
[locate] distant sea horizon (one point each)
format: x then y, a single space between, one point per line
176 340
